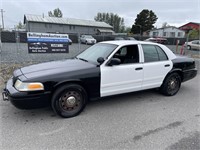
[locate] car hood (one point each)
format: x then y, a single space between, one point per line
55 67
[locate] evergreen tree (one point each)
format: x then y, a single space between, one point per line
144 21
111 19
55 13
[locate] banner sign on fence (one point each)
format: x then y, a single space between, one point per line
47 43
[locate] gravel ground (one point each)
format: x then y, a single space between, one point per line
18 53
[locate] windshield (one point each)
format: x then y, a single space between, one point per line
89 37
98 50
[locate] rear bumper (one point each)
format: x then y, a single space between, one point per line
189 74
25 100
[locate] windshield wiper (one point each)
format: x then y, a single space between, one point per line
82 59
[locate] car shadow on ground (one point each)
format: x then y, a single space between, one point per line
111 101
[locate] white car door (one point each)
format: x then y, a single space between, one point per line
156 66
125 77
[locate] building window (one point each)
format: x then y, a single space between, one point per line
172 34
50 25
164 33
155 33
179 34
45 25
74 27
70 27
60 25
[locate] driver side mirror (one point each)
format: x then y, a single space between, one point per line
100 60
114 61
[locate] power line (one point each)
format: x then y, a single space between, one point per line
2 11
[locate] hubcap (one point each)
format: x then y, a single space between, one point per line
70 100
173 85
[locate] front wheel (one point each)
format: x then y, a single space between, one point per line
171 84
189 47
69 100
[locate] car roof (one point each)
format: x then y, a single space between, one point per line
169 53
127 42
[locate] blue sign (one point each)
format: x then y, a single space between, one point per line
47 43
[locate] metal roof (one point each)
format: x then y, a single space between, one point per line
68 21
105 30
166 28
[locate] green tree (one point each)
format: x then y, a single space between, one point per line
55 13
112 19
165 24
194 34
127 30
144 21
20 25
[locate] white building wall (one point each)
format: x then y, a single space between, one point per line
167 33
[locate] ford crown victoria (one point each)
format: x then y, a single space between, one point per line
104 69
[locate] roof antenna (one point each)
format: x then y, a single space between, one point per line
42 15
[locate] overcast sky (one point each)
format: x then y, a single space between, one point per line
174 12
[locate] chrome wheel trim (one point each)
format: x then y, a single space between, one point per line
70 101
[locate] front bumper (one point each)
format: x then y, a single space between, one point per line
91 42
25 100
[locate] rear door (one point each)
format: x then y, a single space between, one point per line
156 66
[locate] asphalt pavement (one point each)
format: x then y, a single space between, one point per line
143 120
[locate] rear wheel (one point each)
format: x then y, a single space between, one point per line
171 84
69 100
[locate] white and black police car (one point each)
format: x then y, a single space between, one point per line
104 69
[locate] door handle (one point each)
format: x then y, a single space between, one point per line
140 68
167 65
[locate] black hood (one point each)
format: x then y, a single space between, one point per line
55 67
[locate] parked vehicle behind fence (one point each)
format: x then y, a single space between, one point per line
87 39
193 45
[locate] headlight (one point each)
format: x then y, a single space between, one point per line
24 86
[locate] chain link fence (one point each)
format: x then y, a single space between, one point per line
14 50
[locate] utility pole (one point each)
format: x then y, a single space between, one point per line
2 11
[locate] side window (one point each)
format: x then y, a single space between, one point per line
123 51
150 53
128 54
195 42
161 54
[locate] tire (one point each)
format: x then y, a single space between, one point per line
189 47
69 100
171 84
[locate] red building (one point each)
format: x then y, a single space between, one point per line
190 26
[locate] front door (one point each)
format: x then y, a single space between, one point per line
125 77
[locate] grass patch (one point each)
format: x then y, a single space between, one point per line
6 70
